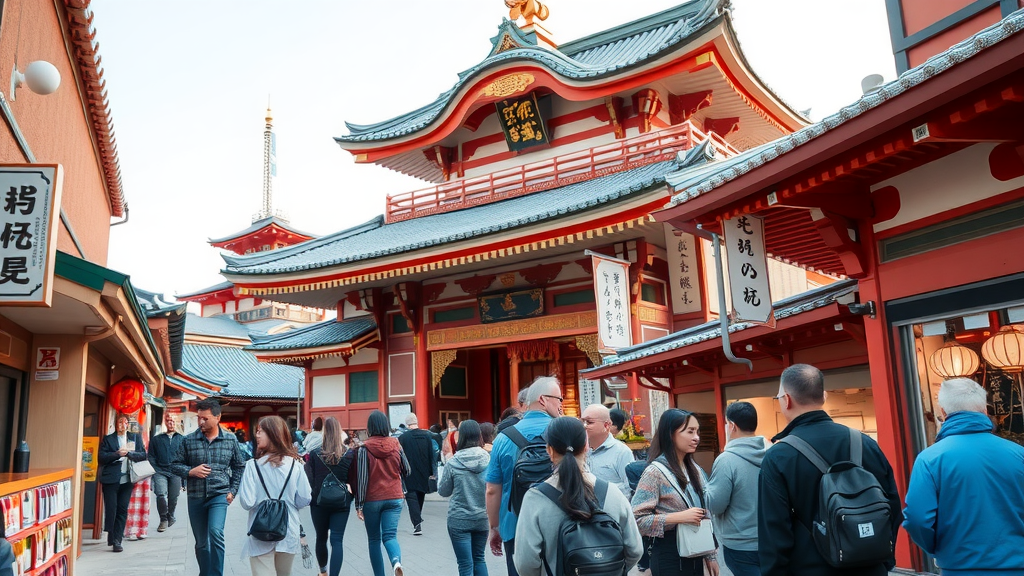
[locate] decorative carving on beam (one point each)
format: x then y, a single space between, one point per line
616 116
442 157
533 350
722 126
541 275
475 285
835 232
682 106
439 361
587 343
408 294
429 293
647 104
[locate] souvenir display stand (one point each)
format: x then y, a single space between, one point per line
38 520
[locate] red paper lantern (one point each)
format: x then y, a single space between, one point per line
126 395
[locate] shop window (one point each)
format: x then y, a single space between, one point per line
399 325
575 297
652 292
455 314
362 387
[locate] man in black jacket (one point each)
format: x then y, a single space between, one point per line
418 446
788 487
166 484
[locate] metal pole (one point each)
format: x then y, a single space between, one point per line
723 313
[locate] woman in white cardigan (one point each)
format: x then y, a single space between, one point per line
281 467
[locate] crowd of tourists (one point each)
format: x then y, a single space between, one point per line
557 495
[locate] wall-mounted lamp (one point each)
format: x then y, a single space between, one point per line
863 308
40 76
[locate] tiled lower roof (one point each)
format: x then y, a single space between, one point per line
330 332
215 326
240 373
792 306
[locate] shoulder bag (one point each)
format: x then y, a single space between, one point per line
334 495
691 541
139 471
270 524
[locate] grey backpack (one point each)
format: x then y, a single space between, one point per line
852 526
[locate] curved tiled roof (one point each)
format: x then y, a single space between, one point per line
689 188
269 221
810 300
215 326
207 290
240 373
326 333
376 239
603 54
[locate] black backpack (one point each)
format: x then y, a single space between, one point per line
592 547
334 495
853 523
532 466
271 521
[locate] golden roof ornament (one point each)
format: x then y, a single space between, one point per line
528 9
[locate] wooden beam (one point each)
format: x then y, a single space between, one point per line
682 106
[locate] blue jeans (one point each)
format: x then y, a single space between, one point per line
381 519
742 562
469 548
324 522
207 519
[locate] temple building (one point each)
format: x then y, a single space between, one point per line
464 291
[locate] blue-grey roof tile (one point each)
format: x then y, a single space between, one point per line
207 290
240 373
327 333
215 326
810 300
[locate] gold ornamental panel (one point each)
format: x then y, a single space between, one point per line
508 85
514 330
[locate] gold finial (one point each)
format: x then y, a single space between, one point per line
528 9
269 117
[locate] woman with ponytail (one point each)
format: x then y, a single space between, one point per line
537 532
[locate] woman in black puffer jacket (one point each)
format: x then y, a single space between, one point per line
331 456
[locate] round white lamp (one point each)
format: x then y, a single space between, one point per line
40 76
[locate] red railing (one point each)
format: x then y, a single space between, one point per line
551 173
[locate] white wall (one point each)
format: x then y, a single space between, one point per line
329 390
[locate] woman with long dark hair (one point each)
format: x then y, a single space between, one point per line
380 466
464 482
331 457
579 497
660 508
277 461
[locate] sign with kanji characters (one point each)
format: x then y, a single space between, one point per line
47 358
522 122
748 270
611 288
30 199
684 281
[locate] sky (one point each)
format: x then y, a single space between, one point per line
189 83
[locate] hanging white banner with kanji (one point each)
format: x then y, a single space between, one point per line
684 285
611 288
748 270
30 202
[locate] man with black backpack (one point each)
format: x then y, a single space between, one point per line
828 499
519 459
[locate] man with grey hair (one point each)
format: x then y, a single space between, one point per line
607 456
544 402
418 445
965 503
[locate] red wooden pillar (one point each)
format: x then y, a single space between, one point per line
423 379
307 399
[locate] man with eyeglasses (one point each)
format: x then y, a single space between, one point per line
544 403
607 457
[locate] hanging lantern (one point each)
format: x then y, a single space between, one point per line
126 395
1005 350
954 361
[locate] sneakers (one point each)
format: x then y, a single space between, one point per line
171 521
418 530
398 569
163 526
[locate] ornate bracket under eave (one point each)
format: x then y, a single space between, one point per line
587 343
682 106
647 104
439 362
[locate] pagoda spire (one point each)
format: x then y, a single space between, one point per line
269 168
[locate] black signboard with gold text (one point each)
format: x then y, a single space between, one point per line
522 123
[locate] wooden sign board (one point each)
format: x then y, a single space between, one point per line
522 122
29 207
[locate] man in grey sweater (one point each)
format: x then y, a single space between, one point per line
732 489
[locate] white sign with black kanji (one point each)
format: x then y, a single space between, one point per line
30 202
684 280
748 270
611 288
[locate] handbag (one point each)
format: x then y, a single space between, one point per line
691 541
139 471
270 523
333 494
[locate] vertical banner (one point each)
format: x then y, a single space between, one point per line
611 288
30 202
590 393
684 281
748 270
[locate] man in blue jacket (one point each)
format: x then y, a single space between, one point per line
965 504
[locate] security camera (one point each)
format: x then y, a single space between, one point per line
863 308
40 76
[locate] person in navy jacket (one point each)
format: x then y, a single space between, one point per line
965 503
116 450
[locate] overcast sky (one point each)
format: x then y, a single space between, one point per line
188 84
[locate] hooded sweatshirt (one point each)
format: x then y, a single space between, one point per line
379 469
463 480
965 503
732 492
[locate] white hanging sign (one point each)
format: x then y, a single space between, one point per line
748 270
684 281
611 288
29 205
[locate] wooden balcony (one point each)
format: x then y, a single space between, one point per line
551 173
